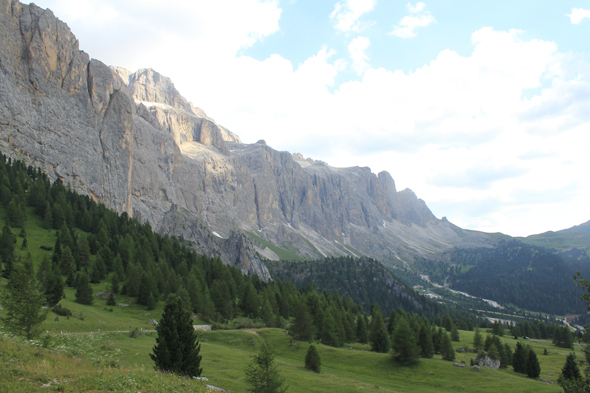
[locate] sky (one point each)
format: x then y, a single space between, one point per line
482 108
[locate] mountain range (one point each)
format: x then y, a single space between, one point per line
131 141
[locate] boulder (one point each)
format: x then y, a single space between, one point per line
487 361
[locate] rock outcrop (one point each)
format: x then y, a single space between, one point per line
484 360
131 141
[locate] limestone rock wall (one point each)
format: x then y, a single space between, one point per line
131 141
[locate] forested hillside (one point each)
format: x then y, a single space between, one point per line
365 280
515 273
95 244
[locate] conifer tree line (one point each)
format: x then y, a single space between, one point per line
367 282
560 334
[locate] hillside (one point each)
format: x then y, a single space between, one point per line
577 236
226 354
91 349
514 273
365 280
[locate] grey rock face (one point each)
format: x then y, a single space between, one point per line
131 141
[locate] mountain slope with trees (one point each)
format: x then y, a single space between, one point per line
516 273
365 280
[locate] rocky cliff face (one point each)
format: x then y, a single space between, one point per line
131 141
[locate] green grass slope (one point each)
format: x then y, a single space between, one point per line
558 240
227 353
28 367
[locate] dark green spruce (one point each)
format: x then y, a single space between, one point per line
177 347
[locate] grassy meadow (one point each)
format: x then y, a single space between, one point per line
86 363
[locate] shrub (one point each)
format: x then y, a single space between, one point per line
59 310
135 333
313 361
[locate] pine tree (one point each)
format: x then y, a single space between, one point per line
425 342
361 330
7 240
150 302
84 293
498 328
519 360
446 347
114 280
59 218
45 273
267 315
48 217
567 339
263 375
134 279
182 293
378 336
436 340
570 370
329 332
111 301
194 293
15 213
493 352
302 327
447 322
477 340
23 300
313 361
82 252
51 282
488 342
454 333
65 237
391 322
507 356
98 271
68 266
177 347
403 343
207 307
533 370
57 253
249 301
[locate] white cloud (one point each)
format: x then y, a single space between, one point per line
578 14
415 8
409 23
133 31
347 14
357 49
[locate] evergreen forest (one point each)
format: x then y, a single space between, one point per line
513 273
